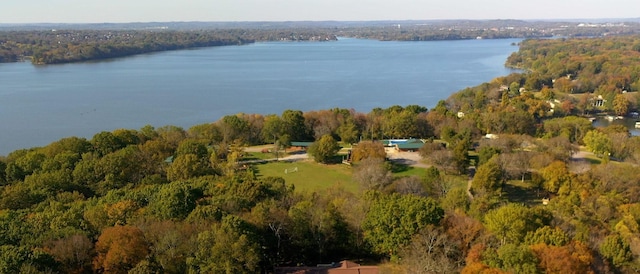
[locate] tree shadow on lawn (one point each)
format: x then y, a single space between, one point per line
521 194
398 167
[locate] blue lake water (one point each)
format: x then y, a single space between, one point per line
41 104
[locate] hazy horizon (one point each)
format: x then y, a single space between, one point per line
128 11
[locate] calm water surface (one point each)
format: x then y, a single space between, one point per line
41 104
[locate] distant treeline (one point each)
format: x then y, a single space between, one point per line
71 43
66 46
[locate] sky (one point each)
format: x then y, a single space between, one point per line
123 11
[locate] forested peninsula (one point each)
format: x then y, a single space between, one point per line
55 44
511 176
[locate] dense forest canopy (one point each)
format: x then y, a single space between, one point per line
544 192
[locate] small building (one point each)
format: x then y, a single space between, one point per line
404 144
410 146
598 101
491 136
301 145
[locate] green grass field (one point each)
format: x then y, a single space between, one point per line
310 176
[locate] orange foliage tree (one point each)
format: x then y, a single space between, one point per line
572 258
119 249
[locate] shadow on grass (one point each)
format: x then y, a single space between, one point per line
519 193
593 160
399 167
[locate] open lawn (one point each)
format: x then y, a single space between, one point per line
251 156
400 170
308 176
522 192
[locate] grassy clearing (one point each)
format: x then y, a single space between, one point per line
522 192
400 170
250 156
310 176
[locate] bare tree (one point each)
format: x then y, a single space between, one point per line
372 173
410 185
431 251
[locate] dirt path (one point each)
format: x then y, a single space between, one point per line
407 158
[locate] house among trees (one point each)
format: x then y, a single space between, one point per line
598 101
343 267
301 145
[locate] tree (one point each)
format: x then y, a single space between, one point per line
272 129
393 219
324 149
556 176
106 142
411 185
225 248
170 243
367 149
372 174
462 230
511 258
432 251
187 166
318 230
174 201
547 235
572 127
195 147
294 126
488 177
348 132
119 249
74 253
620 105
516 164
598 143
616 250
572 258
233 127
510 223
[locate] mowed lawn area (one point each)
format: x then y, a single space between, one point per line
308 176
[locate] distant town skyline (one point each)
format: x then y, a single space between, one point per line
125 11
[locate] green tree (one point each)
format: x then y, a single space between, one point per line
225 248
393 219
12 258
293 124
187 166
106 142
547 235
598 143
348 132
233 127
272 128
488 177
616 250
174 201
512 258
510 223
324 149
190 146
